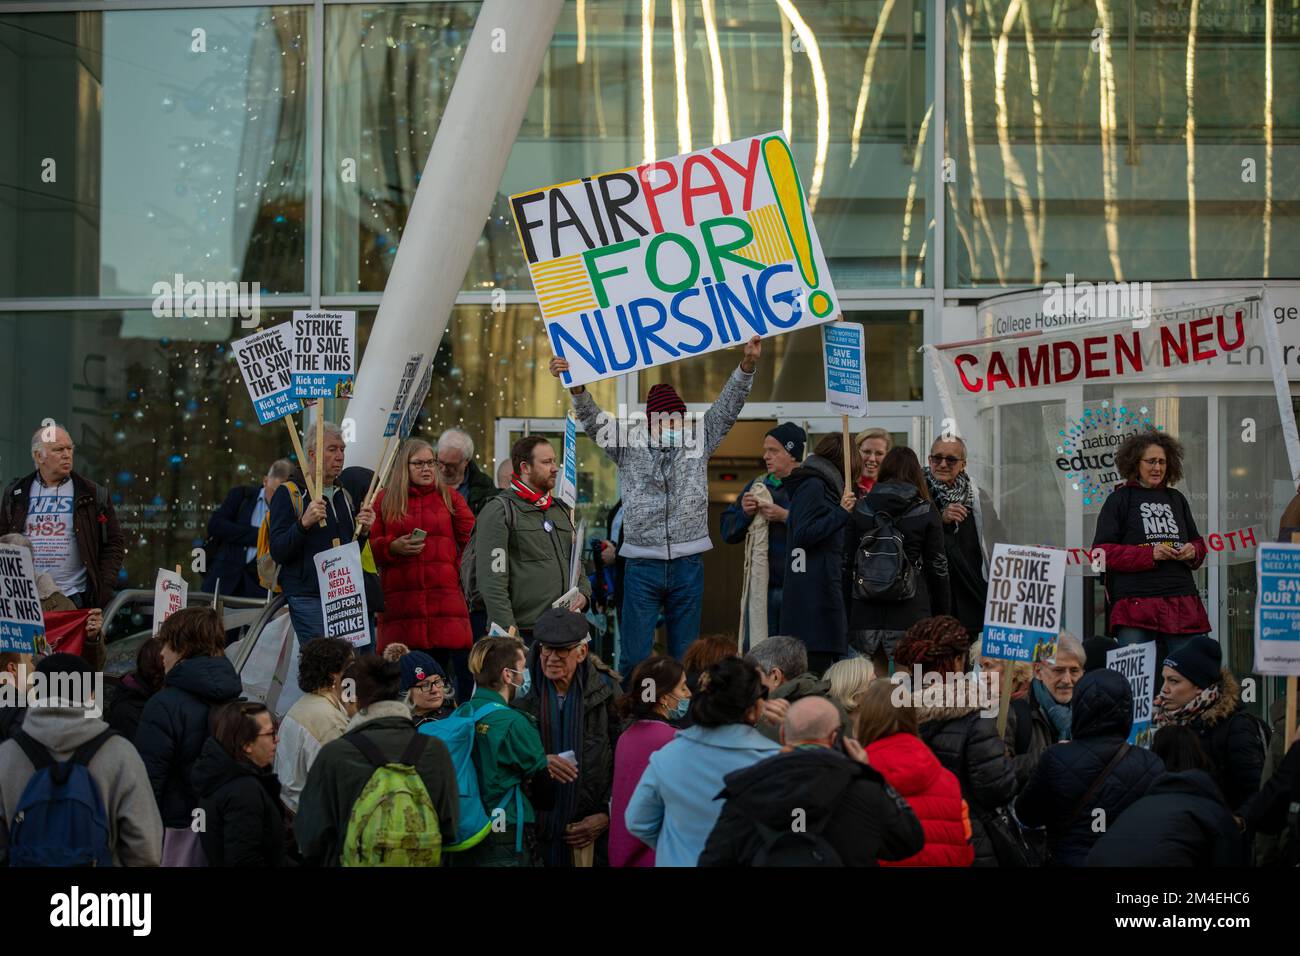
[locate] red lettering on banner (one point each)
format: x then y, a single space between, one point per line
1215 542
967 359
689 192
1058 376
1167 343
747 171
1090 357
1241 335
1201 334
998 371
1036 370
651 192
1133 350
1247 534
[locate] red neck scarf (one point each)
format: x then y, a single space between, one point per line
537 498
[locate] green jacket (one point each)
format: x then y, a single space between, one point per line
507 751
536 569
340 772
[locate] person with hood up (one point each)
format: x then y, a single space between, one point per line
899 495
674 806
1181 821
963 739
1088 782
665 485
1200 693
812 603
175 721
239 793
889 734
851 815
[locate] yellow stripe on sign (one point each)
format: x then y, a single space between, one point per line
770 244
563 286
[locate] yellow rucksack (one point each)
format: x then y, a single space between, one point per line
267 570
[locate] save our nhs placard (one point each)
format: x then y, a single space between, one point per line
647 265
568 489
1277 609
844 354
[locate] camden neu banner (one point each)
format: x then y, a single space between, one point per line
643 266
1044 413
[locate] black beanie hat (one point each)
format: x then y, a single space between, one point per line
1200 660
791 438
1094 649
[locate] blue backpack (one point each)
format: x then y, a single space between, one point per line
457 731
60 819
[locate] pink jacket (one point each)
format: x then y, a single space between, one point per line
631 756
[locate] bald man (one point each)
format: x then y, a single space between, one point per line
817 803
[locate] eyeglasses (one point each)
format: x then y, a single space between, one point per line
422 463
449 465
1154 462
269 733
432 685
561 652
944 459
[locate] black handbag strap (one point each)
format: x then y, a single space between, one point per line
1096 785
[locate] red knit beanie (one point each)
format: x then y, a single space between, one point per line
663 399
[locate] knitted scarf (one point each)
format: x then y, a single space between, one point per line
561 728
1057 713
1185 714
958 493
539 498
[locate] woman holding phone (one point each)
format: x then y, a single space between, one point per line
1151 546
420 528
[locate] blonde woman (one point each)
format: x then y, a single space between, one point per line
873 445
849 680
420 528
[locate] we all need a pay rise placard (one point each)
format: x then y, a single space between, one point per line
647 265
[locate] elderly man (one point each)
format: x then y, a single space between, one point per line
847 813
969 532
232 535
456 469
572 696
782 450
69 520
1042 717
302 526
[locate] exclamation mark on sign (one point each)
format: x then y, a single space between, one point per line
789 198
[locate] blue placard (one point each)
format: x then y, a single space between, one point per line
324 354
569 484
843 348
1279 593
22 622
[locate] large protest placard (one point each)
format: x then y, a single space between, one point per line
411 413
342 594
324 354
1277 610
844 352
646 265
170 592
568 487
22 625
1137 662
404 385
266 361
1023 610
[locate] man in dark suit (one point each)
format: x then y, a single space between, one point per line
232 535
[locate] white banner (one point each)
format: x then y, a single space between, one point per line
170 592
343 594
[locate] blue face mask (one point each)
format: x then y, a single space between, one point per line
678 712
670 437
526 685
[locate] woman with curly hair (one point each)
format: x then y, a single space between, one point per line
1151 546
965 742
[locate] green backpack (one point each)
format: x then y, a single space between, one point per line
393 822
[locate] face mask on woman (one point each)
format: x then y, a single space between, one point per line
678 710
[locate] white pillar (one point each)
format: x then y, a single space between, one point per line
452 202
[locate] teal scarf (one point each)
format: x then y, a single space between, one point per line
1057 713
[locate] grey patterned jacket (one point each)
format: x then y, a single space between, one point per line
666 490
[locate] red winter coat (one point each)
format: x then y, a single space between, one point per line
934 795
423 604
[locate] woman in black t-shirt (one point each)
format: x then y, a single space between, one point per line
1151 547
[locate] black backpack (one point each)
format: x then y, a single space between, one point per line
786 847
882 570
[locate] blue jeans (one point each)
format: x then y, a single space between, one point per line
309 623
652 584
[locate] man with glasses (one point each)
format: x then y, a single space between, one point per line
71 524
965 524
457 469
572 696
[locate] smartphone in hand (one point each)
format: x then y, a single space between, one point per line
419 534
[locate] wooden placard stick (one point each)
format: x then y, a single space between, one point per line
302 456
320 448
844 424
377 479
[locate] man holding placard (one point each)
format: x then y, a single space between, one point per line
303 526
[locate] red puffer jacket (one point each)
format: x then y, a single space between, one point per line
934 795
423 604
